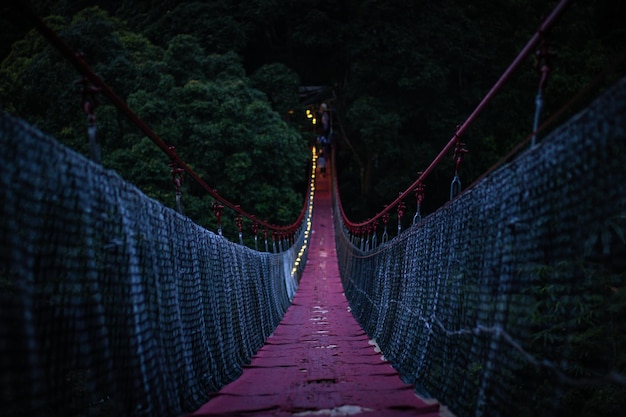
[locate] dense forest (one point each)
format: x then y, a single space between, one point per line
220 82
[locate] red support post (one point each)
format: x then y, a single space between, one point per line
419 197
89 103
177 178
400 210
218 209
459 153
239 223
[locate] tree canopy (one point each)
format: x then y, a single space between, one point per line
219 81
201 102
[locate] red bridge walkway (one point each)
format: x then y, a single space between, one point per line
319 362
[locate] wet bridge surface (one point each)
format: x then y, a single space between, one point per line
319 361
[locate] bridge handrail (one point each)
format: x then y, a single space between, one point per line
85 70
528 48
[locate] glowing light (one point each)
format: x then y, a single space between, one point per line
309 222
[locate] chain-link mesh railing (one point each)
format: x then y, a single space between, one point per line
112 304
511 300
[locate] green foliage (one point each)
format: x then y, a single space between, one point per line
202 104
280 84
578 315
214 24
184 58
425 64
405 74
431 63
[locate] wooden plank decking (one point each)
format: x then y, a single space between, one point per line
319 362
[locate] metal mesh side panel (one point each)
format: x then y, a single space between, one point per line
110 303
510 300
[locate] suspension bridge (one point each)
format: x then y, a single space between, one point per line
113 304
